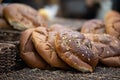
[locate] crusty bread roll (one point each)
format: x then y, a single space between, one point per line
112 22
43 40
28 52
21 16
93 26
107 47
75 50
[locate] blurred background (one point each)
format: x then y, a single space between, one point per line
77 9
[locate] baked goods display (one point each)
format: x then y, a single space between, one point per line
93 26
112 21
59 47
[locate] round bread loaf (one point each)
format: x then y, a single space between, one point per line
21 16
75 50
112 22
28 52
107 47
43 40
93 26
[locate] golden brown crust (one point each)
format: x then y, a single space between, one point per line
112 22
74 49
44 43
110 14
93 26
107 47
21 16
28 52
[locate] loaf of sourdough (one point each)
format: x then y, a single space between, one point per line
107 47
28 53
73 48
43 40
93 26
22 16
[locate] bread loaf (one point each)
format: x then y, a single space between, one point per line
112 22
111 14
22 16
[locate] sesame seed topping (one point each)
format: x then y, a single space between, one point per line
67 48
87 48
88 59
76 36
116 41
108 52
93 52
82 54
63 37
75 63
69 40
85 51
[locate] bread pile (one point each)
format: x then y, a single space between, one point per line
59 47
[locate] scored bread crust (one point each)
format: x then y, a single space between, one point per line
28 52
93 26
43 40
107 47
74 49
22 16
